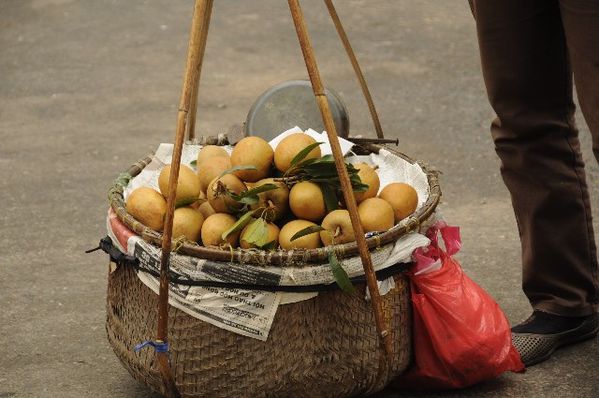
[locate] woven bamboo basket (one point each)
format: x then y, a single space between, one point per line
325 346
333 345
312 350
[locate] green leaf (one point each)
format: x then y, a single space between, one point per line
339 274
237 168
307 231
357 184
320 167
248 200
327 162
257 233
306 162
331 201
238 226
332 178
326 159
185 202
259 189
351 168
193 163
250 197
324 171
303 153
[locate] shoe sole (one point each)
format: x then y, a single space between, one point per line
565 338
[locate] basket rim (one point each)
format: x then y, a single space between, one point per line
278 257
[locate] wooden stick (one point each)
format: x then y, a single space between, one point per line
354 61
191 70
193 106
323 104
379 141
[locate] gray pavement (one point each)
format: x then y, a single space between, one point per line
88 87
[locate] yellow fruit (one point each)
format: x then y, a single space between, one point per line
147 206
252 151
272 234
201 199
375 215
276 201
311 241
212 169
291 146
213 228
210 151
188 186
218 198
187 222
338 228
403 198
306 201
369 177
206 209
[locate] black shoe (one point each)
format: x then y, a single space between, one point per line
541 334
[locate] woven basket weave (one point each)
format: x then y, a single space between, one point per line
323 347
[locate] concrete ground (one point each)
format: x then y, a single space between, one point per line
87 88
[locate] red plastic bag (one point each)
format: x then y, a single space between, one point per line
461 336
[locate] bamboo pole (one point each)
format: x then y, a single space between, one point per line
354 61
379 141
191 70
193 106
323 104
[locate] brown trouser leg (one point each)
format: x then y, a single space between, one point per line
526 47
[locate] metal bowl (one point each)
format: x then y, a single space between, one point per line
292 103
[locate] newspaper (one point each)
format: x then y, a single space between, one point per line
246 312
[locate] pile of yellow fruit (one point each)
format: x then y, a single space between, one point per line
259 198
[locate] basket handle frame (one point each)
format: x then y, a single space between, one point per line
195 54
346 187
191 127
358 71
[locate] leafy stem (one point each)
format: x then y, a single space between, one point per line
339 273
324 171
301 155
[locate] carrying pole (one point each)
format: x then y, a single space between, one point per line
354 62
194 60
193 106
350 201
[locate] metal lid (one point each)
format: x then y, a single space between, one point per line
292 103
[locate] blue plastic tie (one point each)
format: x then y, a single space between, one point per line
159 346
